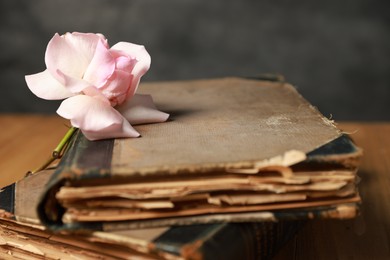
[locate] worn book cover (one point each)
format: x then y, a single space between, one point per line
234 150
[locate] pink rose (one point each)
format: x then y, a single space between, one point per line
98 84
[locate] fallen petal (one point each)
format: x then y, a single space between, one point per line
140 109
45 86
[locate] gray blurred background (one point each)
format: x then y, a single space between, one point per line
337 53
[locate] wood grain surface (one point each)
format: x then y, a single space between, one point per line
27 140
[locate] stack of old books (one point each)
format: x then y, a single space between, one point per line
232 175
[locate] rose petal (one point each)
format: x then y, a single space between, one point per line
96 119
140 109
95 93
101 67
102 38
74 85
45 86
123 61
114 131
117 87
135 51
71 53
143 62
85 43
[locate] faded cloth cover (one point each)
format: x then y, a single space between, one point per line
218 124
252 135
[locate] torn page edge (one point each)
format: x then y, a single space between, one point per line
285 160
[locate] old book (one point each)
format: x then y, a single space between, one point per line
235 150
23 236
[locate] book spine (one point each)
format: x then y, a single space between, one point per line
240 240
92 158
7 198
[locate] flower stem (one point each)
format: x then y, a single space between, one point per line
57 152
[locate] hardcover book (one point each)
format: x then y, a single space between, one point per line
233 175
234 150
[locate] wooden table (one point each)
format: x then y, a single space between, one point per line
27 140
